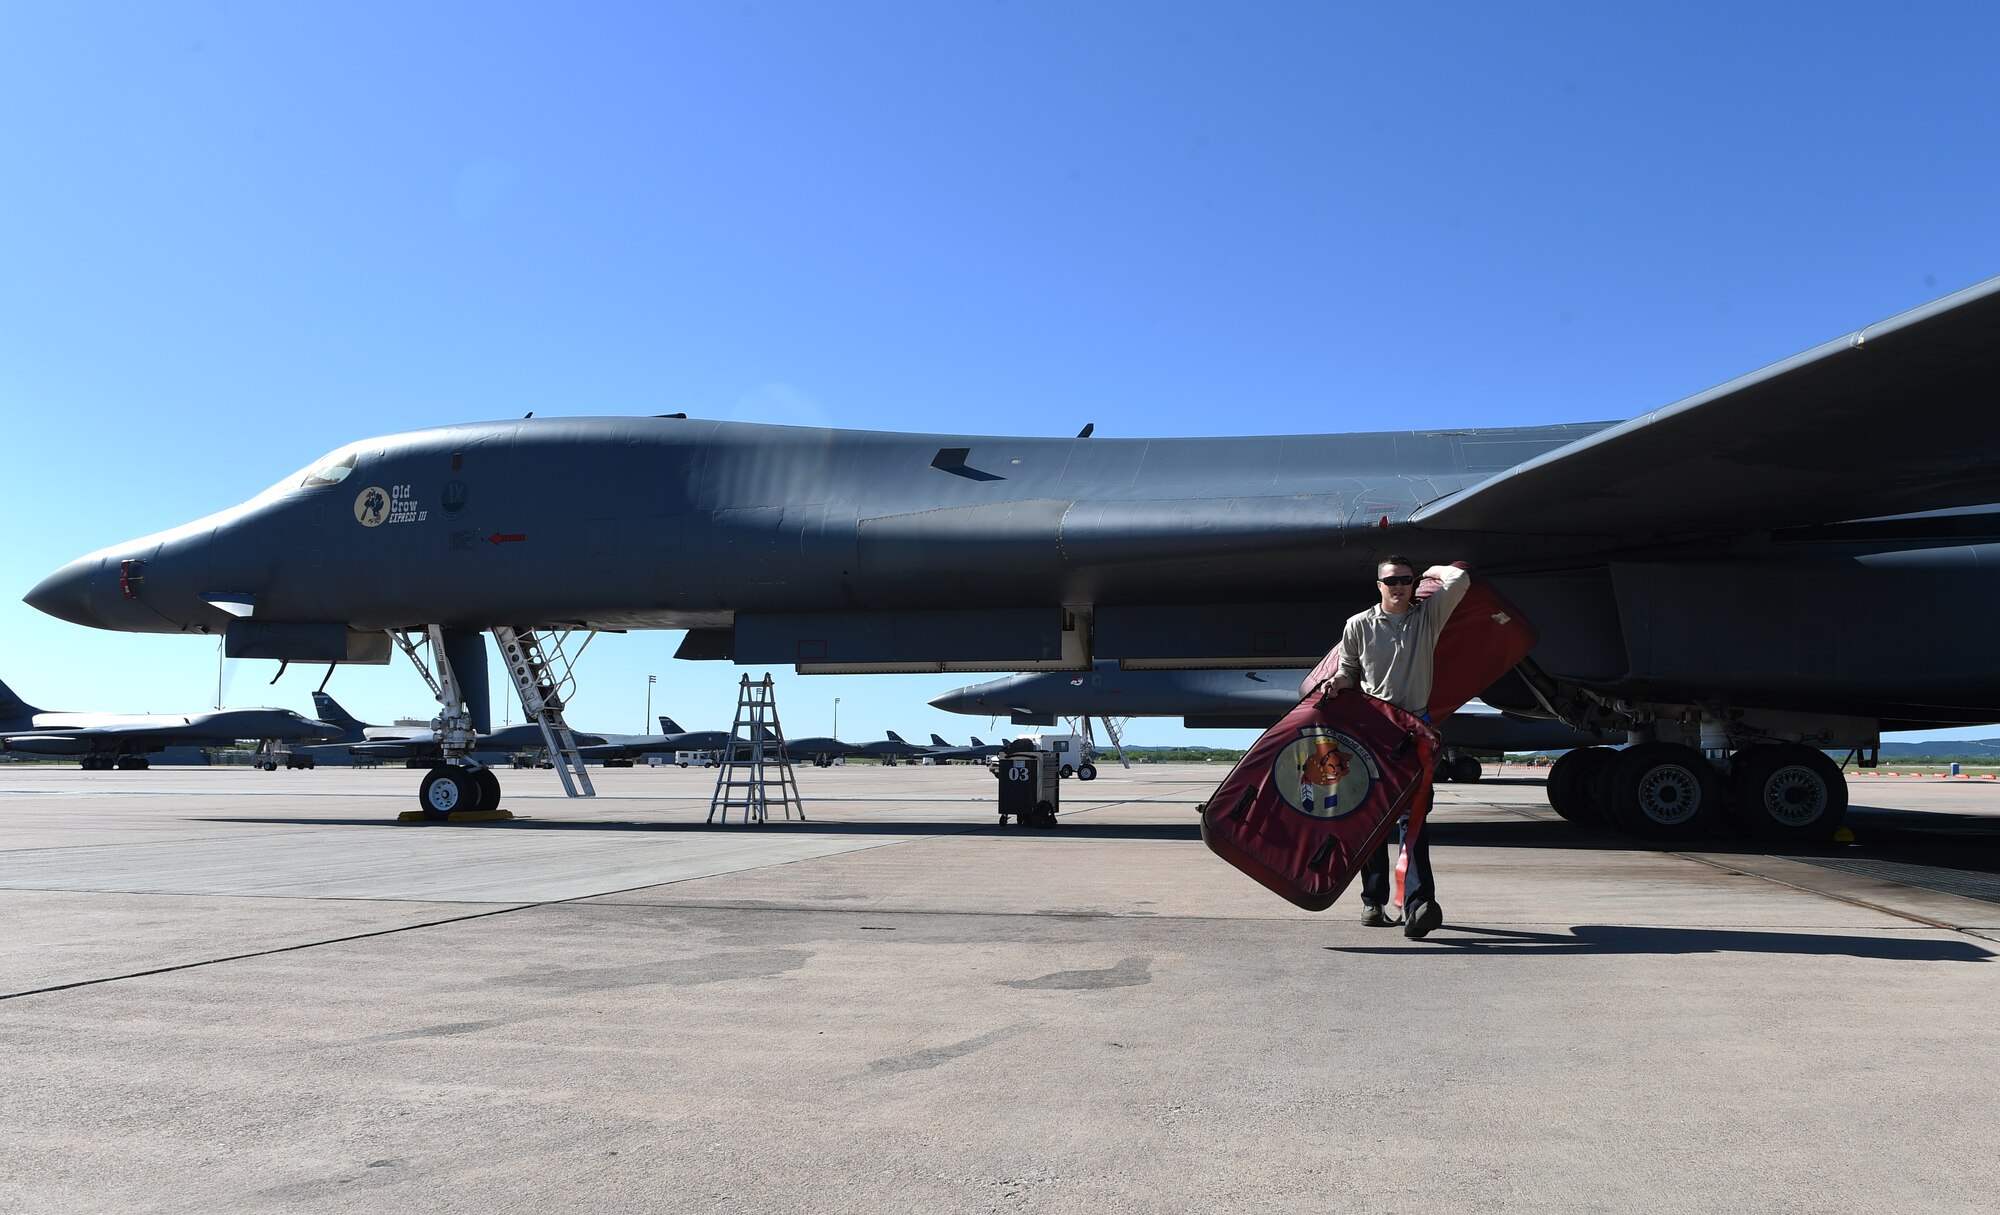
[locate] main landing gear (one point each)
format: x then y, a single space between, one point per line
105 763
1784 792
1456 766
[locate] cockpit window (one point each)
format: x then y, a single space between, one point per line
332 472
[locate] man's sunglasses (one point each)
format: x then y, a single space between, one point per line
1398 580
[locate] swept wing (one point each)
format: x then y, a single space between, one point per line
1891 419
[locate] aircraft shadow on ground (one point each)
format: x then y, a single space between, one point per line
1589 939
1978 849
1969 842
1069 830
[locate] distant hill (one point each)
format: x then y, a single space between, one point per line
1944 748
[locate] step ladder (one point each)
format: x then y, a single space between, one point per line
762 777
543 679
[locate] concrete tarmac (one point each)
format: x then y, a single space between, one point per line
228 990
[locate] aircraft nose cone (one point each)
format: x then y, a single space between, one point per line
65 595
953 701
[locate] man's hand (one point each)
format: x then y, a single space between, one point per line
1334 687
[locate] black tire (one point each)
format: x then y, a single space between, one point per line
1067 772
1573 784
1087 772
446 789
1468 770
1661 791
489 789
1789 793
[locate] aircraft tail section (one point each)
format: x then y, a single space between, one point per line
12 707
330 712
937 741
896 738
669 726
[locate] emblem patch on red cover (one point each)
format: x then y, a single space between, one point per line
1324 773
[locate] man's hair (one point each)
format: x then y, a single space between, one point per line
1395 559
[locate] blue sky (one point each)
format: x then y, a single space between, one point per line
233 237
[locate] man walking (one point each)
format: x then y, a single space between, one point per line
1386 652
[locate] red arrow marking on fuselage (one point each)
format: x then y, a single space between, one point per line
507 537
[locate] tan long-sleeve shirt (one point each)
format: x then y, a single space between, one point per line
1390 656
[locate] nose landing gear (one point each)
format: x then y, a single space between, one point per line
458 789
460 793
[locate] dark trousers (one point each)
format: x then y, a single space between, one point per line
1417 885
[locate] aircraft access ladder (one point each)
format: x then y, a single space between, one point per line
542 677
1111 727
747 784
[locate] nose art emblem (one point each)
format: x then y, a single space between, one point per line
371 506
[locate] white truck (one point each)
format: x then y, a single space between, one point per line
1070 753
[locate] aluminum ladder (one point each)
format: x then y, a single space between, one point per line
746 784
542 679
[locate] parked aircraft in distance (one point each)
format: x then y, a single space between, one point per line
820 750
1709 579
1242 699
621 750
420 744
101 741
1224 699
890 749
942 752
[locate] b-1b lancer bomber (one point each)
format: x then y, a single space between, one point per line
1709 579
101 741
1221 699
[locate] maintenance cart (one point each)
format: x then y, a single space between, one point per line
1030 785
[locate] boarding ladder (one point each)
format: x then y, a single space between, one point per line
1114 727
757 774
543 679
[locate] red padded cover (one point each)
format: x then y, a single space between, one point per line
1318 792
1482 641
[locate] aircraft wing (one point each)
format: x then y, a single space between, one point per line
46 744
87 737
401 748
1893 419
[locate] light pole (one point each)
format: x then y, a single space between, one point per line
647 726
836 717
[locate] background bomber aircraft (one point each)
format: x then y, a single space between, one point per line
123 740
1233 699
419 744
1710 578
